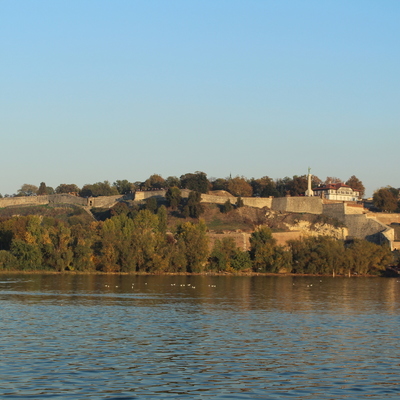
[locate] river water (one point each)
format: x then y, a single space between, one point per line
198 337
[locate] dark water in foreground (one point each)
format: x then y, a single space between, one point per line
99 337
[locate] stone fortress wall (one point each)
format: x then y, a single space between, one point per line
360 223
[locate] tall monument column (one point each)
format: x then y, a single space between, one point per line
309 191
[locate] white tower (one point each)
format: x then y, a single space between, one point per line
309 191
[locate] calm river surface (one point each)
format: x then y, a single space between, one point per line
198 337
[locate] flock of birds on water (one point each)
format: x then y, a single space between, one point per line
172 284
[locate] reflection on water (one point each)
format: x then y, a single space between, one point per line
128 337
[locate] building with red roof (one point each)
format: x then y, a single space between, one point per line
337 191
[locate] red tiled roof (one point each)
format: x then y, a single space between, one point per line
334 186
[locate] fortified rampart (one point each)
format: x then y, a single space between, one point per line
309 205
360 224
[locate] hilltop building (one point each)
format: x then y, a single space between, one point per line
337 191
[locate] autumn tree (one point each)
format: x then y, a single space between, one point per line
332 179
356 184
155 181
239 186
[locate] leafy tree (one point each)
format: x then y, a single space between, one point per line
264 187
197 182
226 207
332 179
219 184
173 181
28 255
67 188
27 190
49 190
356 184
385 200
222 254
155 182
151 204
262 249
42 189
194 206
282 186
173 197
124 186
298 185
239 186
239 202
162 219
194 241
98 189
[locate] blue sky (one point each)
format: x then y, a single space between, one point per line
107 90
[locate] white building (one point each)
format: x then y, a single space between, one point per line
337 191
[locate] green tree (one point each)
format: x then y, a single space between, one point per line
67 188
385 200
151 204
227 207
239 202
172 181
27 190
264 187
262 249
194 206
42 189
194 241
124 186
173 197
197 182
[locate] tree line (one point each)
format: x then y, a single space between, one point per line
384 199
141 242
198 181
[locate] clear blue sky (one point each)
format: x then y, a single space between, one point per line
106 90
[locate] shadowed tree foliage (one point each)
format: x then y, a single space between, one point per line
219 184
155 182
385 200
67 188
42 189
124 186
197 182
226 207
194 206
264 187
172 181
98 189
151 204
173 197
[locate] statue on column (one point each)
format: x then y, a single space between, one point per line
309 191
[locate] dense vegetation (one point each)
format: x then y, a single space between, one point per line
140 242
198 182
